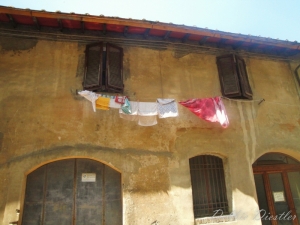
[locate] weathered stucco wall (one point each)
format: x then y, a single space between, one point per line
42 119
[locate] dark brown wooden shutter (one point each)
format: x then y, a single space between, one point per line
114 68
243 77
228 76
93 67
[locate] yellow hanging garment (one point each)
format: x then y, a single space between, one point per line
102 103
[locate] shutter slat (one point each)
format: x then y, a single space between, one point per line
114 68
228 76
245 86
93 67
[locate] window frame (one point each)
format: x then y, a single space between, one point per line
233 77
208 185
97 70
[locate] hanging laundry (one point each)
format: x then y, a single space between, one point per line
209 109
102 103
147 112
167 108
130 116
91 96
126 107
113 103
120 99
147 121
147 108
221 112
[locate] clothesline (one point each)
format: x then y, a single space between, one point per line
229 99
260 101
145 113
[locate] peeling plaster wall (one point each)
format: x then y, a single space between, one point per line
43 120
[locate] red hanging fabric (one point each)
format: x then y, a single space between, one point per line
209 109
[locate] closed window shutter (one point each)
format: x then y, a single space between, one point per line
245 86
114 68
228 76
93 67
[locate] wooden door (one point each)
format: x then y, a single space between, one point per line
277 180
73 192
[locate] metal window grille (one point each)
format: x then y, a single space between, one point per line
208 186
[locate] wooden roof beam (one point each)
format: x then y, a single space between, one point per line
82 26
238 44
185 38
203 40
221 42
36 22
270 50
125 32
60 25
166 37
104 28
11 20
146 33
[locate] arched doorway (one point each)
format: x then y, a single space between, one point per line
73 192
277 180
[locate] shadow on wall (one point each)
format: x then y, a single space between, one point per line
17 44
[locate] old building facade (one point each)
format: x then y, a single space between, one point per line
61 161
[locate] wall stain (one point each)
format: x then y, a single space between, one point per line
91 148
287 126
16 44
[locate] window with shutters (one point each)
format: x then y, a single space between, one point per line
233 77
208 186
103 68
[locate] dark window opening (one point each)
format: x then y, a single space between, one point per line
233 77
208 186
103 68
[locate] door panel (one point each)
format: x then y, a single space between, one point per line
113 198
59 193
262 199
279 198
34 195
89 197
294 180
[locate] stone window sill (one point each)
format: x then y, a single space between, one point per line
215 219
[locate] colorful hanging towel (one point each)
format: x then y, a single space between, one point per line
133 115
120 99
167 108
102 103
114 104
126 107
91 96
145 113
209 109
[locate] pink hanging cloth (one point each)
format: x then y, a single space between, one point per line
209 109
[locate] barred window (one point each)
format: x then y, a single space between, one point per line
208 186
